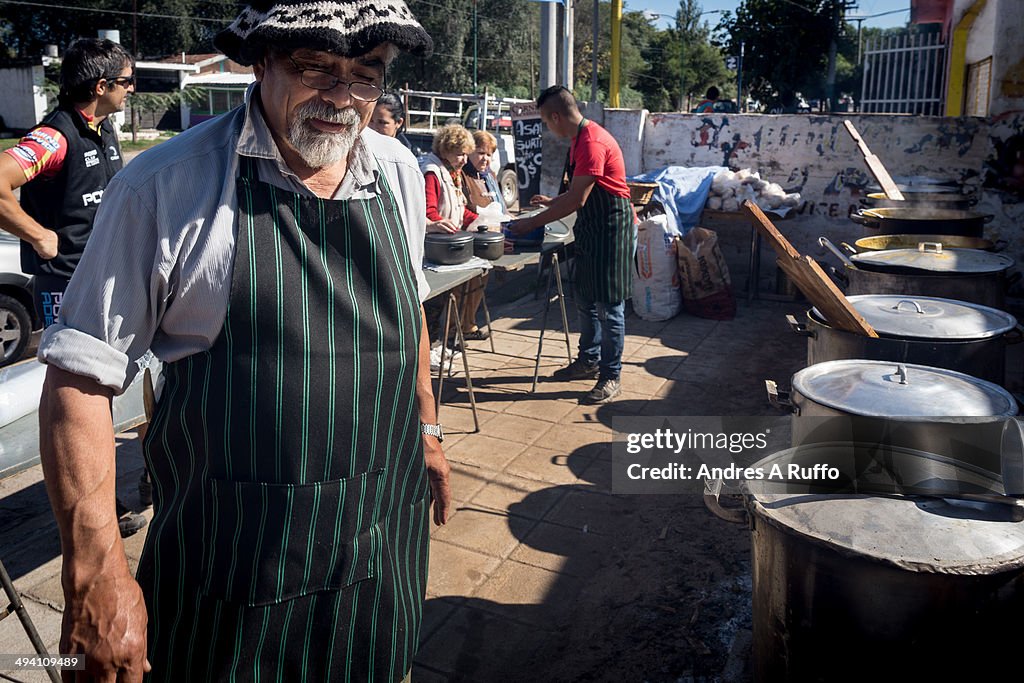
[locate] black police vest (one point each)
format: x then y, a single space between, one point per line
67 202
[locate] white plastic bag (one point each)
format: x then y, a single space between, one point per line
656 293
491 215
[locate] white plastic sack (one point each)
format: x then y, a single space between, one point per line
491 215
656 293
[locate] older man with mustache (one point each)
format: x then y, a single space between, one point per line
271 258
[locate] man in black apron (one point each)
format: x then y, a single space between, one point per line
294 451
605 233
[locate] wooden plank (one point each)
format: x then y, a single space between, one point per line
809 278
875 164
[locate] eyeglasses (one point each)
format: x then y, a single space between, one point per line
324 80
123 81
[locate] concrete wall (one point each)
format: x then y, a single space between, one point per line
814 155
981 42
24 103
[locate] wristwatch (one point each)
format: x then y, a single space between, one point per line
434 431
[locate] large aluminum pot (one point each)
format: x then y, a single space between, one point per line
987 288
923 220
936 410
924 330
930 200
448 249
847 586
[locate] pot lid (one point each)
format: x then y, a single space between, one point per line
925 317
890 389
449 238
488 237
932 257
931 534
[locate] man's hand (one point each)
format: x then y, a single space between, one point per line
106 621
443 225
438 471
517 227
540 200
46 245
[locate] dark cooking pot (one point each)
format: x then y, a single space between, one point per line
931 200
448 249
847 586
987 287
488 244
922 220
896 241
936 332
931 409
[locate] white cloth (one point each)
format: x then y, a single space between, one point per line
156 272
473 263
452 201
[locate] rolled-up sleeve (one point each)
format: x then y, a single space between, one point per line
414 204
111 309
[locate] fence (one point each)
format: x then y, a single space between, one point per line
904 74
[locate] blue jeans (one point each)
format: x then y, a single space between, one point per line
602 335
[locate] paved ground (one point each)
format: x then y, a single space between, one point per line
542 573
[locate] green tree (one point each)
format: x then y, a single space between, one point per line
786 44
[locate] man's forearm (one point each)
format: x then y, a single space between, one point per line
424 385
77 453
14 220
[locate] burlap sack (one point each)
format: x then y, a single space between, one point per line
704 276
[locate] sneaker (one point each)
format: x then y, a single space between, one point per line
605 391
130 523
578 369
450 357
145 489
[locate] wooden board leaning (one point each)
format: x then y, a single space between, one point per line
808 276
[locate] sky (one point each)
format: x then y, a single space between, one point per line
864 8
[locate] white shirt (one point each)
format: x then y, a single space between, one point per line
156 272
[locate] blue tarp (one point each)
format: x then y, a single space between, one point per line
683 192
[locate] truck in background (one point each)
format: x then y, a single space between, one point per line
427 111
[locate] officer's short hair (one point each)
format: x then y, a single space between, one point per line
558 99
88 60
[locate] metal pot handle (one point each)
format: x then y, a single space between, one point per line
800 328
999 245
988 218
778 398
917 306
930 247
860 219
853 251
840 278
827 243
1014 336
712 492
972 200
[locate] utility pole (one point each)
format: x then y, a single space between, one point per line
593 56
741 101
548 45
567 44
613 88
475 31
135 55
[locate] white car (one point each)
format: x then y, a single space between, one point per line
17 313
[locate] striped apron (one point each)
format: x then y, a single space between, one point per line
289 537
605 236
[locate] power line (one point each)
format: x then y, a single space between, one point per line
111 11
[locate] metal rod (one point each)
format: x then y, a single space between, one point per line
561 304
18 607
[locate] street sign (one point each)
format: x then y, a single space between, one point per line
732 63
